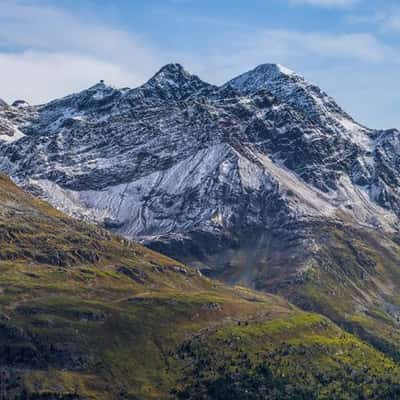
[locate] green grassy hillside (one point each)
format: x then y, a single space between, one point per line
355 281
348 273
87 315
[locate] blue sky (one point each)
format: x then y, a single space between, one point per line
350 48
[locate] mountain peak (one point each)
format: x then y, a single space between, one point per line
261 77
172 81
273 70
20 104
99 86
291 88
171 71
170 76
173 68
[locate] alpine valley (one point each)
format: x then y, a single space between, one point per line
264 182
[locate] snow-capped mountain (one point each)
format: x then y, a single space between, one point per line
191 168
290 88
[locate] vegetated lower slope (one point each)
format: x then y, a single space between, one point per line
88 315
346 272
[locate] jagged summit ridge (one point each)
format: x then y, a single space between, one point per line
171 73
289 87
260 77
172 82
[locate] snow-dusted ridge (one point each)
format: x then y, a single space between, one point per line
13 118
177 156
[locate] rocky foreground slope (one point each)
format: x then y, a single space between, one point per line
85 314
264 181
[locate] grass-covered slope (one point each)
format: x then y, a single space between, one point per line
347 272
355 281
87 315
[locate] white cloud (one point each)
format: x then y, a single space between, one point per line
393 22
294 48
51 29
386 20
40 76
360 46
327 3
49 52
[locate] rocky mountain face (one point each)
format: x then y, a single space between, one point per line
178 155
12 118
264 181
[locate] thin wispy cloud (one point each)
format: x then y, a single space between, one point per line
359 46
60 52
296 49
327 3
53 29
40 76
386 20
